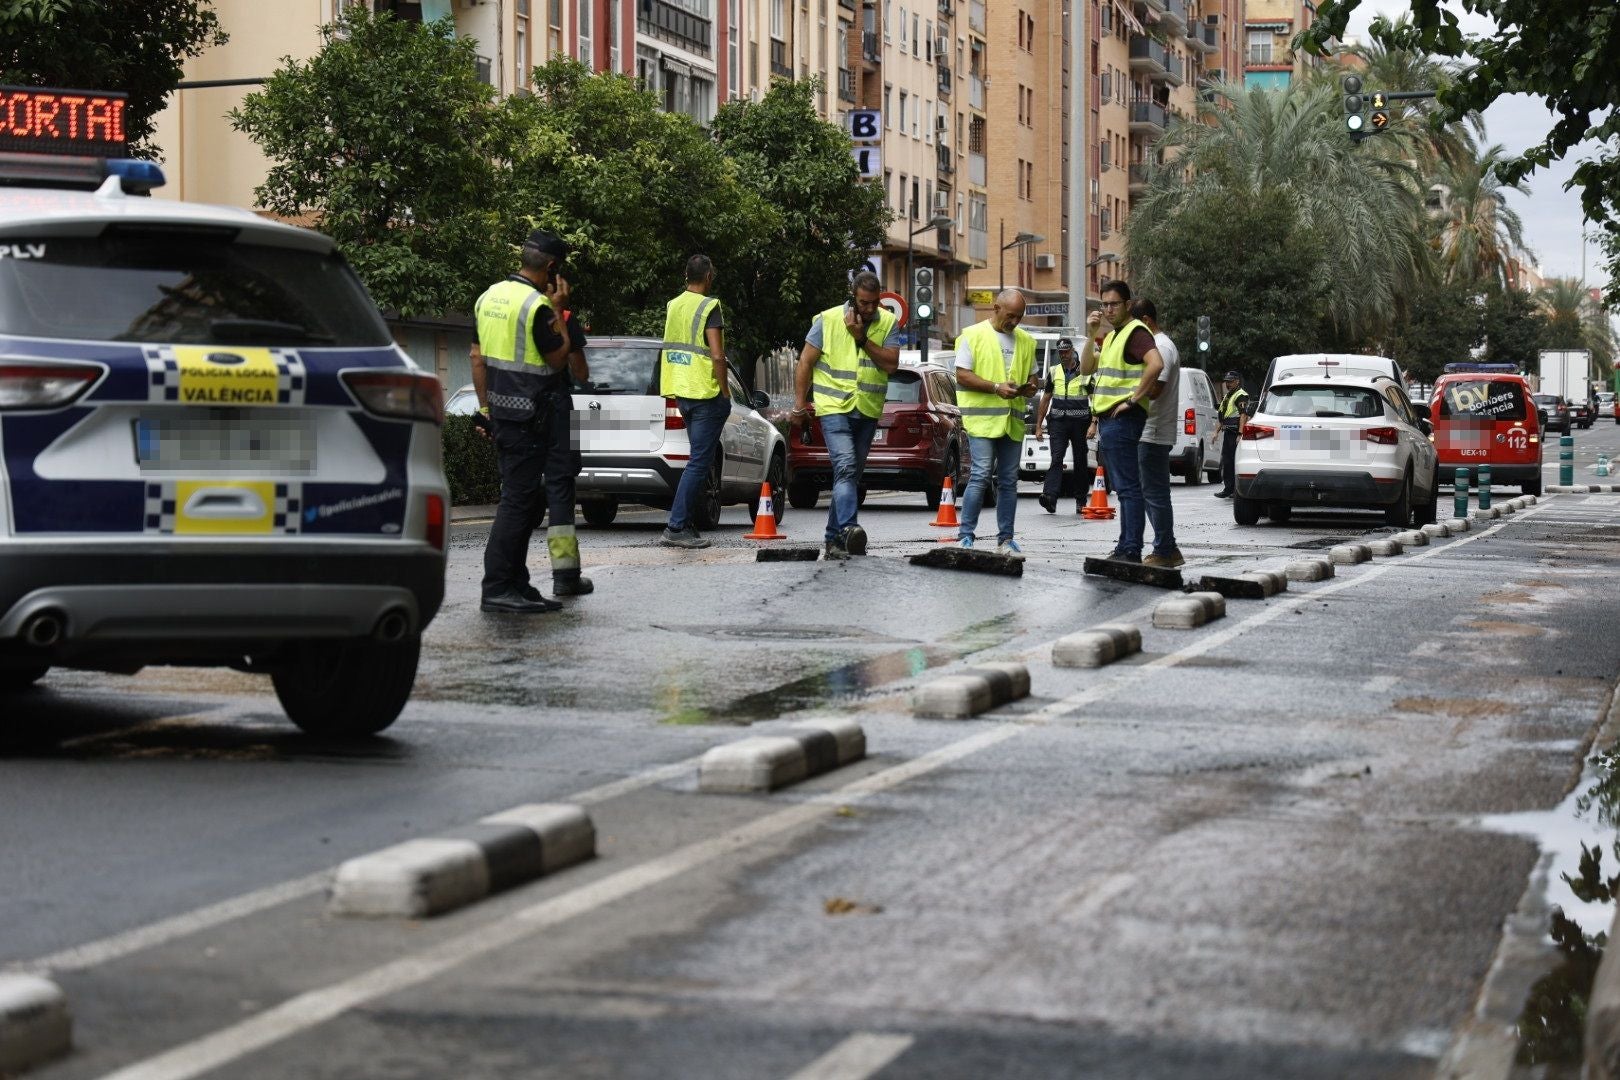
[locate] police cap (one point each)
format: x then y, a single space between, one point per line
1233 376
1065 344
549 243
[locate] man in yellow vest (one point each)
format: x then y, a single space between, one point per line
1126 359
1231 427
692 370
844 372
523 347
995 362
1065 413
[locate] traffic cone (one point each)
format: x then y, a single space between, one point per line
765 520
946 518
1098 509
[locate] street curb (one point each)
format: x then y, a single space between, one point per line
1436 530
1458 526
1189 611
1386 548
970 692
35 1024
435 874
1309 570
1098 646
767 762
1582 489
1414 538
1350 554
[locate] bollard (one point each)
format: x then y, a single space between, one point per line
1566 460
1484 488
1459 498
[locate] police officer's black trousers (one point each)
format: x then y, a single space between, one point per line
525 450
1067 435
1229 461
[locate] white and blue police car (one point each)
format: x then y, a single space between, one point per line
211 450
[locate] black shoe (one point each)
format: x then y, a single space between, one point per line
687 538
514 602
1115 556
854 540
572 586
1049 504
1223 494
836 551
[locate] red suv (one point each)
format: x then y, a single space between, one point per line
1484 414
919 442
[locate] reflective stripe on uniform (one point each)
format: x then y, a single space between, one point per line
1117 377
563 546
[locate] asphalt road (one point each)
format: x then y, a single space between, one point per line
1256 849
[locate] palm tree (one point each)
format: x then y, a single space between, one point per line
1394 69
1475 230
1576 321
1363 210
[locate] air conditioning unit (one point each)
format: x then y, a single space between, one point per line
942 46
1046 261
942 202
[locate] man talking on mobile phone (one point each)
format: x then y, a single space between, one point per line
844 372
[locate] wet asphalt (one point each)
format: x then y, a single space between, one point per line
1256 849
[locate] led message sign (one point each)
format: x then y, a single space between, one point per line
47 121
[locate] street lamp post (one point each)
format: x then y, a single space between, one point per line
938 221
1023 239
1078 318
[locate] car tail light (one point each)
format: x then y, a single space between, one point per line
399 395
1256 432
1189 422
435 521
44 386
1383 436
673 420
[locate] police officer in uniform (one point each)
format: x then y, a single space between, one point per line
522 386
1232 423
1065 412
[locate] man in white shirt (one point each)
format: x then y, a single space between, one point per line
1158 436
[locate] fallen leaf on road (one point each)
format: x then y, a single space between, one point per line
840 906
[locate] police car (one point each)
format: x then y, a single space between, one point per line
211 450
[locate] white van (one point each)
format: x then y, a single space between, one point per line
1197 452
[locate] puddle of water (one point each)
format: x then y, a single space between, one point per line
1585 817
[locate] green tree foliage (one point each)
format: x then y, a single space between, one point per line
1442 323
1515 330
1563 53
388 137
823 219
634 189
1246 260
1575 321
136 47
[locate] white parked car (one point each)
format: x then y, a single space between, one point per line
635 447
1355 442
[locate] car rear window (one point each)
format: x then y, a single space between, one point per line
905 388
624 369
1322 401
183 288
1482 399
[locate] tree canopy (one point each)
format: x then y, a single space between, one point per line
138 48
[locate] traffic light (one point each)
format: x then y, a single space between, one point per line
1203 337
1354 122
922 283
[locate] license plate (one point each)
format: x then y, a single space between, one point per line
225 440
880 436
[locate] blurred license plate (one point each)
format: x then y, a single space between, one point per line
225 440
880 436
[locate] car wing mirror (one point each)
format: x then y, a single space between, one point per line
1423 411
760 400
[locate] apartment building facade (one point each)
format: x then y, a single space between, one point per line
1270 62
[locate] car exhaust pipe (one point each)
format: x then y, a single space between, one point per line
44 629
392 627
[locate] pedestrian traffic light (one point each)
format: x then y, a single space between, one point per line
1203 336
1354 122
922 283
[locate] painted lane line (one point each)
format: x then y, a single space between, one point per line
310 1009
860 1056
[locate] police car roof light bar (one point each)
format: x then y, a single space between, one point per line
1474 365
136 176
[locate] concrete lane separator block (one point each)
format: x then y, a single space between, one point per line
1486 515
1349 554
1189 611
1458 526
1309 570
35 1024
768 762
1386 548
1097 646
1271 582
1436 530
970 692
1412 538
435 874
1531 500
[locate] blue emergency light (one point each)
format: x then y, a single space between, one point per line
1490 369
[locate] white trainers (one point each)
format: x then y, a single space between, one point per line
1010 547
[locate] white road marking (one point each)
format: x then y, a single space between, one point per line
856 1058
1094 897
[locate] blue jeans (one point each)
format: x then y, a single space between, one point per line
1153 460
1117 439
1001 457
705 420
849 437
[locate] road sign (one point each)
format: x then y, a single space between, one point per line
981 297
1380 119
865 126
872 265
868 161
897 304
1047 309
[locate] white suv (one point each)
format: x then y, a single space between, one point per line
1354 442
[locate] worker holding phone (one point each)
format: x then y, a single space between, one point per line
995 362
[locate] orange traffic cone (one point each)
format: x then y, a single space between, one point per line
946 518
1098 509
765 520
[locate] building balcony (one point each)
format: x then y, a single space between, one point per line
947 160
1147 118
871 47
1175 72
486 69
976 92
976 169
674 24
944 81
1263 56
846 85
1201 36
947 8
1174 15
779 60
1138 182
1155 6
1148 56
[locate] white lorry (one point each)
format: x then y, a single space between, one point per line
1567 373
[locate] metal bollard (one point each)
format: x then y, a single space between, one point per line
1566 460
1484 488
1459 498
